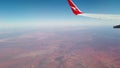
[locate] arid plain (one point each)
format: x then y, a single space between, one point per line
74 48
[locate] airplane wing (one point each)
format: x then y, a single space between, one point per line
76 11
74 8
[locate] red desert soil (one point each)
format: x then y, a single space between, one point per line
58 50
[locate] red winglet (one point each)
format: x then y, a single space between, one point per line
74 8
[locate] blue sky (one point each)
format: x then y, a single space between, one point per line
36 12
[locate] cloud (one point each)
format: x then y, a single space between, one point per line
4 33
31 54
3 40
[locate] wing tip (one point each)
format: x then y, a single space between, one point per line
74 8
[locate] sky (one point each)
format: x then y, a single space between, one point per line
32 13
